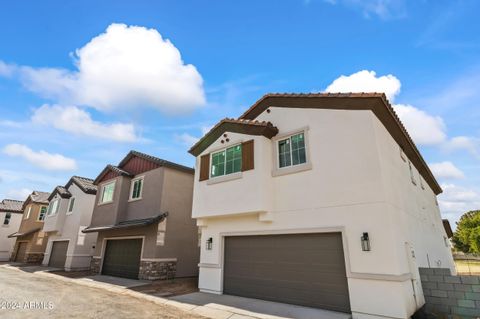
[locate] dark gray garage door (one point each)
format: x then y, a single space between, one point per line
122 258
21 251
300 269
58 254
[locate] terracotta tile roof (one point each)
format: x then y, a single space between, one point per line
39 197
243 126
11 205
154 159
86 184
132 223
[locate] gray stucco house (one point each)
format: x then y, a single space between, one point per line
142 215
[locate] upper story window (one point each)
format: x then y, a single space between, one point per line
226 161
291 150
71 204
6 221
43 212
52 208
412 176
136 188
27 215
106 195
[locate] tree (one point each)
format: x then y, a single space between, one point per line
467 235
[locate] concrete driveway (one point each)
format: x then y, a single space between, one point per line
26 295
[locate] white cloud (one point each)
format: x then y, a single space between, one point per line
125 67
424 128
366 81
187 139
77 121
41 159
446 170
456 200
6 70
19 194
469 144
385 9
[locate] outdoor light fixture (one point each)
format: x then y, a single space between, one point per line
365 242
209 243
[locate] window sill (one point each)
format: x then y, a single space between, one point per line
291 169
69 213
105 203
5 226
134 199
225 178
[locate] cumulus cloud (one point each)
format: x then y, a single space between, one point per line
424 128
466 143
125 67
457 200
77 121
19 194
446 170
366 81
187 139
42 159
6 70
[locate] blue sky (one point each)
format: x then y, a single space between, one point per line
82 83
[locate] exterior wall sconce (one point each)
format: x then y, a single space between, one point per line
209 243
365 242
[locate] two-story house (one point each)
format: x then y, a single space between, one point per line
10 217
69 212
30 239
143 219
319 200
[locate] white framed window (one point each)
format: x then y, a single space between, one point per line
106 196
292 150
421 180
226 161
412 176
42 213
29 210
71 204
52 207
6 220
136 188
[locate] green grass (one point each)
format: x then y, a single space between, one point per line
468 266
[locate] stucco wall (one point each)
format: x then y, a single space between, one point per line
7 244
352 187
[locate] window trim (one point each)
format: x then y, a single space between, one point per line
56 208
225 150
102 187
412 176
132 183
40 212
29 211
70 212
277 170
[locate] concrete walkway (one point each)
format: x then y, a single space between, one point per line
233 307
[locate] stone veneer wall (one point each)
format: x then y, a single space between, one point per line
34 258
450 296
95 263
154 270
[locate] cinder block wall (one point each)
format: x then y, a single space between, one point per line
450 296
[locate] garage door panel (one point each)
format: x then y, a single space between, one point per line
58 254
122 258
302 269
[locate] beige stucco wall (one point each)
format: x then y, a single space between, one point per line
7 244
351 188
37 241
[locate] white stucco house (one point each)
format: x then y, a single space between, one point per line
319 200
11 213
69 212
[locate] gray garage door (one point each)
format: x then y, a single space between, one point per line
58 254
300 269
21 250
122 258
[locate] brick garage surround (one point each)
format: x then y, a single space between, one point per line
450 296
95 265
154 270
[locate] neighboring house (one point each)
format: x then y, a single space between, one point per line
318 200
143 219
70 212
10 217
30 239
